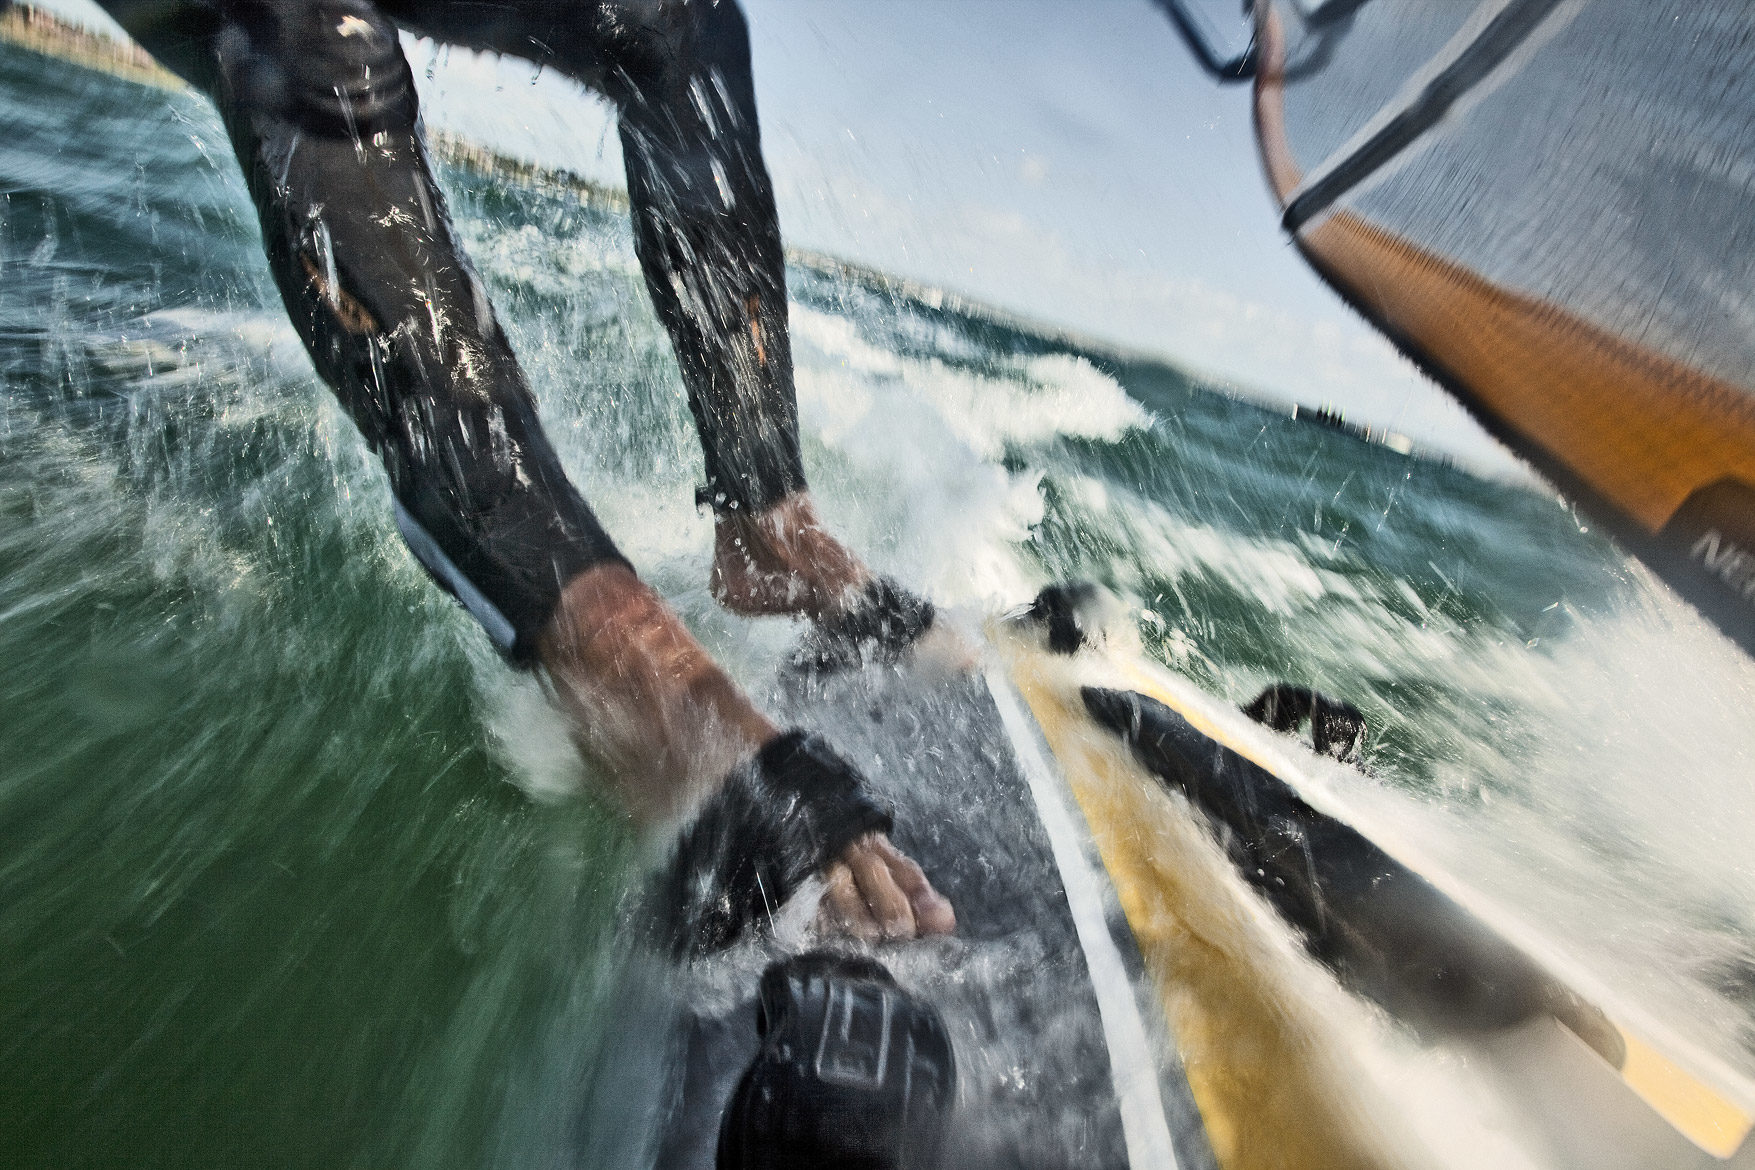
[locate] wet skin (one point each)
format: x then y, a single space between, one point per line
648 703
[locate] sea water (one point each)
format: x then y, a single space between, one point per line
294 871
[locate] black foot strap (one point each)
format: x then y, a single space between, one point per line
1065 612
854 1072
1337 728
775 821
880 626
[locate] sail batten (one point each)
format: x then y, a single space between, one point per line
1508 29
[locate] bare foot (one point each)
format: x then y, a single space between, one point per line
875 892
644 698
647 701
782 561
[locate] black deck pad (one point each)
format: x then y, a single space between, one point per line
1386 932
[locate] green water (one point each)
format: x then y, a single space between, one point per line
268 896
294 872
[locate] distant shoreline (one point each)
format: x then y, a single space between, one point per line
51 35
45 32
42 31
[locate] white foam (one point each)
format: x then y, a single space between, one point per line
916 447
528 734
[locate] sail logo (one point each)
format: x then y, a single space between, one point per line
1727 560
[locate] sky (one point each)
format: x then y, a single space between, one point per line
1068 162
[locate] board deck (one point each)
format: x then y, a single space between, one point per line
1063 1058
1116 995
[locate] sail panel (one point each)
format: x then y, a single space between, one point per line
1332 94
1553 214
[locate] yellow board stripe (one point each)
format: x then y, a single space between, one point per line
1267 1066
1709 1121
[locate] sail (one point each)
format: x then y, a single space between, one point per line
1550 205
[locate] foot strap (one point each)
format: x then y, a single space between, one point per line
776 820
1337 728
880 625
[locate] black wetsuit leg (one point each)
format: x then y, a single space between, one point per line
709 241
318 99
704 221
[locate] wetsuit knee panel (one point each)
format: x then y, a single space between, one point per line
333 67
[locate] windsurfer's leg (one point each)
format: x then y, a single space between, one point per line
320 106
708 238
322 112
